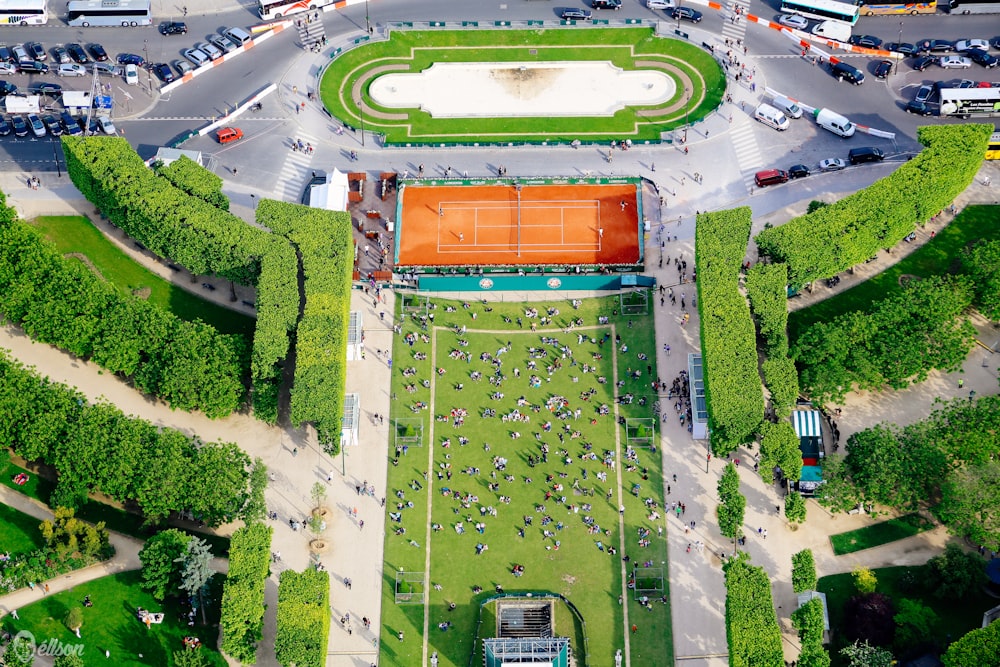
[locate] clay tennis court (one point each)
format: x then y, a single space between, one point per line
474 225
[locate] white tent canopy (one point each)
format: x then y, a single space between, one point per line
331 195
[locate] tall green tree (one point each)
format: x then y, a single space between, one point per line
779 446
803 571
915 622
970 499
862 654
161 574
255 508
195 566
732 509
978 647
982 263
795 507
956 573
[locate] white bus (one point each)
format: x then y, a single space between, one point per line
24 12
823 10
97 13
969 102
276 9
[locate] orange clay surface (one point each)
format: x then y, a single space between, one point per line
470 225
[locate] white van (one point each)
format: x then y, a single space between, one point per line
787 107
833 30
768 115
834 122
238 35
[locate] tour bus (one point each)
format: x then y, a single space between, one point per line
968 102
974 7
276 9
875 8
100 13
24 12
823 10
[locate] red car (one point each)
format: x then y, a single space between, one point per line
229 134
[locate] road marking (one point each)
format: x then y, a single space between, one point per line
295 171
748 157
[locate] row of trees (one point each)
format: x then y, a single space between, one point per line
751 626
948 459
277 316
59 301
326 249
303 618
733 504
192 178
242 615
803 571
981 263
897 343
808 620
834 238
164 218
97 448
732 384
767 286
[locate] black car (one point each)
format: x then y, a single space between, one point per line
36 50
5 128
849 73
923 62
52 125
607 4
44 88
905 48
882 69
96 50
77 53
70 124
32 67
865 154
7 88
980 57
935 46
686 13
164 72
575 15
995 42
130 59
866 41
798 171
919 108
173 28
20 126
6 55
60 55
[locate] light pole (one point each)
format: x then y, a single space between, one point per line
253 201
687 111
368 25
361 108
895 67
149 73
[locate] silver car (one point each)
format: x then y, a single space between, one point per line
197 56
223 43
211 50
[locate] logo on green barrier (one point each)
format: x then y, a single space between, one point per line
554 283
486 283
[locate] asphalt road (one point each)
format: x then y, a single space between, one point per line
151 121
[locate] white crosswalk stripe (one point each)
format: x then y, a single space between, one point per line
295 172
730 30
748 156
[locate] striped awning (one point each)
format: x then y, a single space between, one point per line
807 423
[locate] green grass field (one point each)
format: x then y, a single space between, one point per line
18 532
571 560
111 623
880 533
621 46
75 234
937 257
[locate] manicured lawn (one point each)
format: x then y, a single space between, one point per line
571 560
75 234
621 46
937 257
956 616
879 533
18 532
111 623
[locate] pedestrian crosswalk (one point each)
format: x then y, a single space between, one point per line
296 171
734 20
748 156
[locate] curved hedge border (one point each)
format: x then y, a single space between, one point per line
303 618
751 626
733 389
60 302
836 237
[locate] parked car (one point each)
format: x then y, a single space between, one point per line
7 89
5 127
36 50
223 43
131 74
923 62
8 68
228 135
107 68
982 58
924 94
45 88
196 56
966 83
77 53
606 4
32 67
6 55
865 154
70 124
844 72
37 126
901 47
20 54
866 41
164 73
794 21
173 28
660 4
918 108
104 122
798 171
967 44
52 125
686 13
71 70
20 126
182 67
211 50
833 164
130 59
935 45
955 62
96 50
60 55
883 68
575 14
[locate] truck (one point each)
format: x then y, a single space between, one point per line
22 103
968 102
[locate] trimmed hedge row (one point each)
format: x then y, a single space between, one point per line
242 614
277 314
767 288
803 571
751 626
195 180
60 302
98 449
808 620
834 238
325 244
733 389
303 618
162 217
